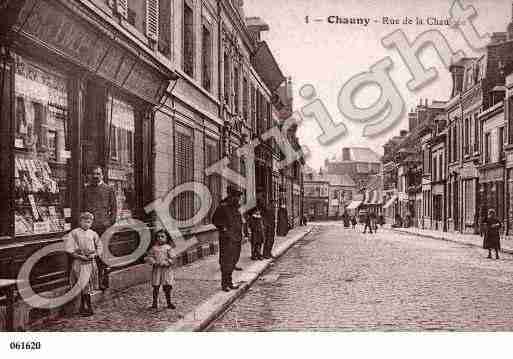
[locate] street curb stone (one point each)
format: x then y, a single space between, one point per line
447 239
205 313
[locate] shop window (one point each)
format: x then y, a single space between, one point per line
41 142
188 39
206 57
120 172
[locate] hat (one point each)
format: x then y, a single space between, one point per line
233 191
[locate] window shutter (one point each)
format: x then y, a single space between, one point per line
122 8
152 19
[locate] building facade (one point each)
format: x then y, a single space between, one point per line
154 92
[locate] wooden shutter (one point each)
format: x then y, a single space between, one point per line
184 157
152 19
122 8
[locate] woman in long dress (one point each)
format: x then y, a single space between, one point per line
492 238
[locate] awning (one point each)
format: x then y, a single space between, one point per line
354 205
376 198
390 202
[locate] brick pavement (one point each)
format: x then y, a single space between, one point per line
338 279
128 310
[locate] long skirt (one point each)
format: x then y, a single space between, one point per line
492 242
88 268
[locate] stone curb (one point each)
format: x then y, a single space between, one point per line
205 313
447 239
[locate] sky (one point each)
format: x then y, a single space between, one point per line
327 55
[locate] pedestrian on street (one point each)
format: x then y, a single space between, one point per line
270 229
374 222
368 224
283 221
228 220
100 200
381 220
84 246
492 238
256 225
353 221
161 256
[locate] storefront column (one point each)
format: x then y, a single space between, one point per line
6 129
76 113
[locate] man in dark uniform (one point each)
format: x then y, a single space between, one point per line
228 220
100 199
270 230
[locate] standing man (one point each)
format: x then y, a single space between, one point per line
228 220
100 199
270 229
367 220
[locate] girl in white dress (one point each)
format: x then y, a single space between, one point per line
161 256
84 245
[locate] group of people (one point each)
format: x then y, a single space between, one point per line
85 248
232 225
370 220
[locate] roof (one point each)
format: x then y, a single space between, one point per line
341 180
359 154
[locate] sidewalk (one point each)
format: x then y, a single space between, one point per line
467 239
197 295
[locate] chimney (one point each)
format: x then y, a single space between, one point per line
346 156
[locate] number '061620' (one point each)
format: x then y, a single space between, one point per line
25 345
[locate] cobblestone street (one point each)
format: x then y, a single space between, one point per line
338 279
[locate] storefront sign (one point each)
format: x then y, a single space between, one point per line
495 174
57 28
468 172
438 189
116 175
41 227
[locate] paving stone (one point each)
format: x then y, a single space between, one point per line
339 279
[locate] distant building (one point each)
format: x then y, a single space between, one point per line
359 163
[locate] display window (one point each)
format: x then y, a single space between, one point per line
41 152
120 169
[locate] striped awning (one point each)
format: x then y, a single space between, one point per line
390 202
374 197
354 205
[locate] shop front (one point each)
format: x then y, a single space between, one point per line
72 98
492 190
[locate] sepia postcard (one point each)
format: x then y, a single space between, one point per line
334 166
